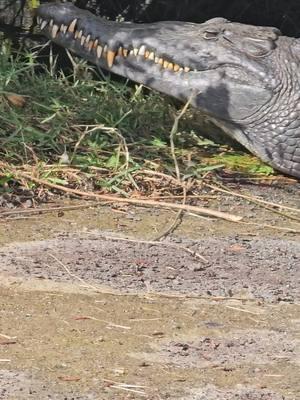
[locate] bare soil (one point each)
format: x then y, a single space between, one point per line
211 312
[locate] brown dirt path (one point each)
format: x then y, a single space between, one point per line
83 316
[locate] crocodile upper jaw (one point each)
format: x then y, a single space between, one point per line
236 74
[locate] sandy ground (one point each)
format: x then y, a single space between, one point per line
91 308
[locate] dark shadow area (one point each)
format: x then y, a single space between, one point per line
283 14
214 102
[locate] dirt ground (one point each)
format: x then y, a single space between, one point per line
92 308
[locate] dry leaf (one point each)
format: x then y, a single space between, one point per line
16 100
236 248
69 378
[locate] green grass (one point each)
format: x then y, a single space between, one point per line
95 125
55 106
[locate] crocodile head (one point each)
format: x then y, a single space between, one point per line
246 79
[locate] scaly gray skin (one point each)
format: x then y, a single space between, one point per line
244 78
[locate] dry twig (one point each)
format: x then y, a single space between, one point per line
174 130
145 203
156 243
251 198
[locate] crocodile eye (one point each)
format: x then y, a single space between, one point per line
210 35
258 47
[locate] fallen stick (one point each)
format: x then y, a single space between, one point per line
138 202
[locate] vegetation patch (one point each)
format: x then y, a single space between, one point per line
83 131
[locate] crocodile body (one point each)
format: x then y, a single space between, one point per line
246 79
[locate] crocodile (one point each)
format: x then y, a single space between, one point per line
243 78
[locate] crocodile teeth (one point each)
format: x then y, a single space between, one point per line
43 24
109 54
63 28
54 31
151 56
90 45
72 26
165 64
99 51
38 20
51 23
110 58
142 50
